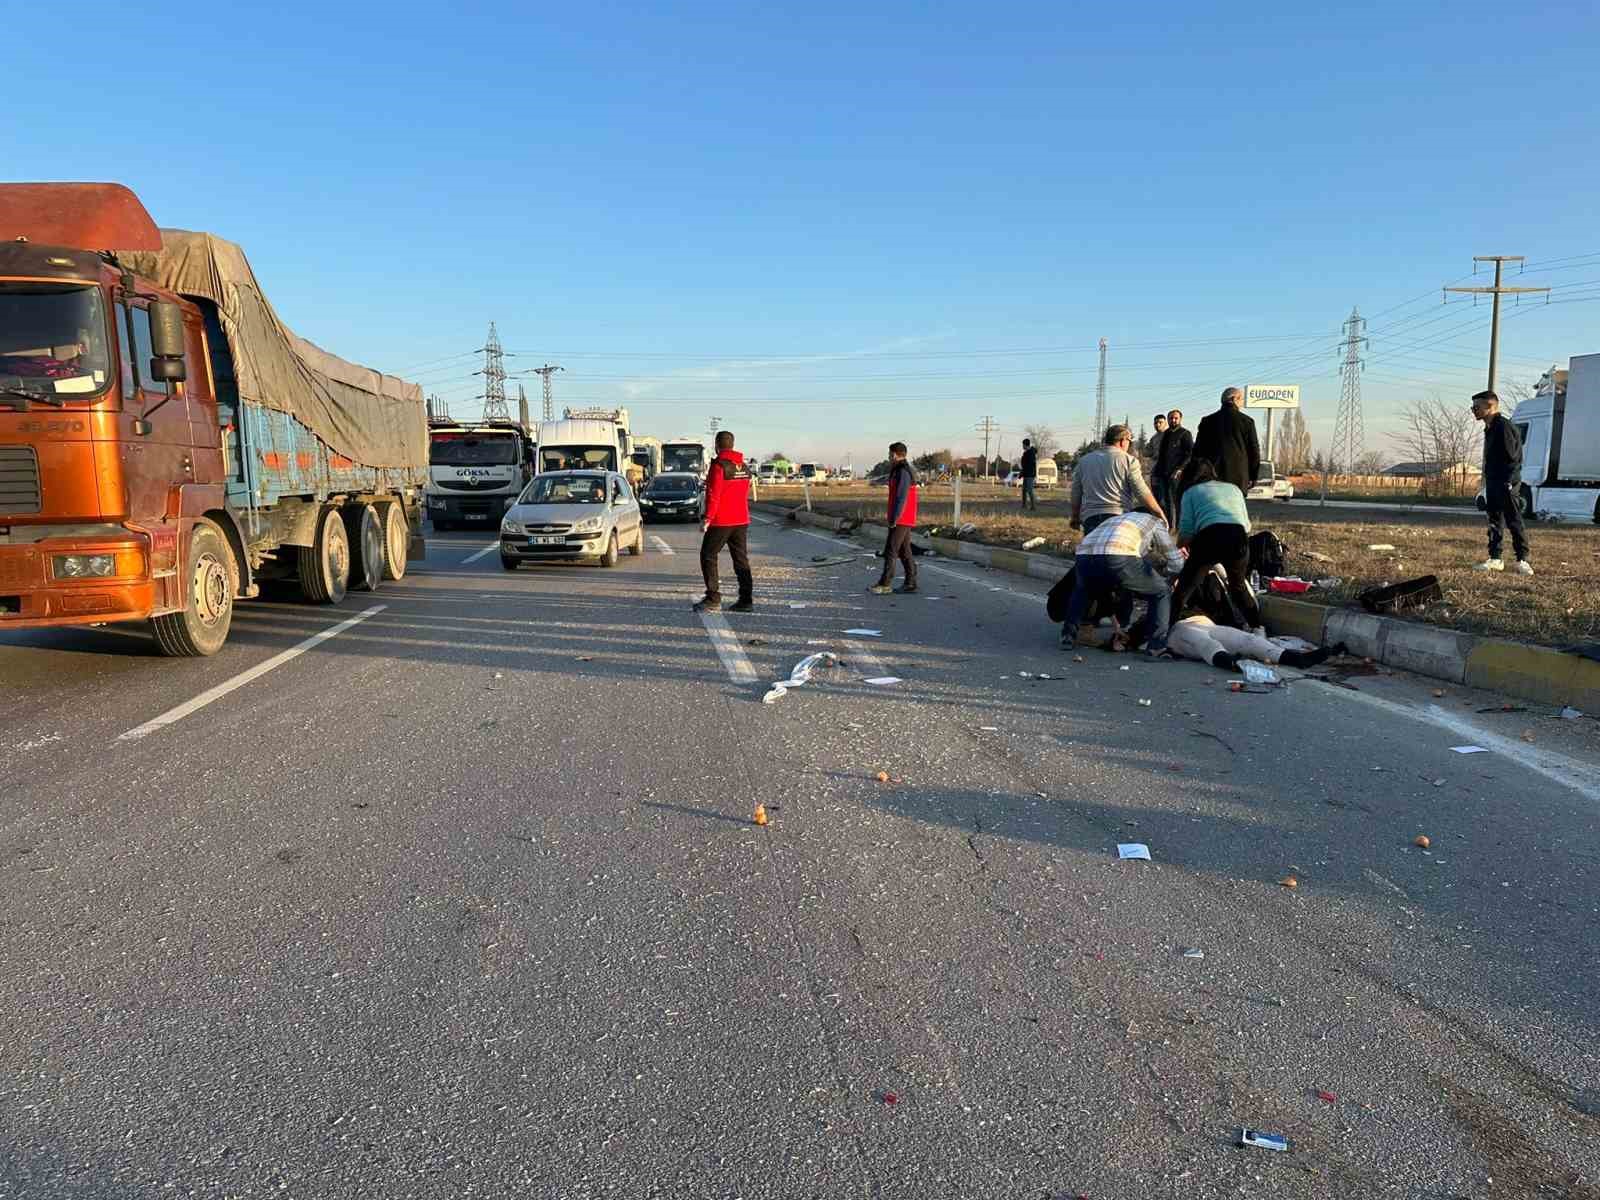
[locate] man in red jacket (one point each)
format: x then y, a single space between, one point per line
727 523
902 520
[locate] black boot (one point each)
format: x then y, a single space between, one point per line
1301 659
1225 661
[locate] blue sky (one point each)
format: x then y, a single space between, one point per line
835 225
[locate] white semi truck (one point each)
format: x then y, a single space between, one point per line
585 439
1560 428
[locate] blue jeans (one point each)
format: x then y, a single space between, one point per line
1128 576
1029 496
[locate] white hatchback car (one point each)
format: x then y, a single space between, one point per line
582 515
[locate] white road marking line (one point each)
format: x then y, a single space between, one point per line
489 549
174 715
762 520
726 644
660 543
1581 777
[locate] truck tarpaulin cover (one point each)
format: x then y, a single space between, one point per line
371 418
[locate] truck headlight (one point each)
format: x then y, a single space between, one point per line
435 501
83 566
589 525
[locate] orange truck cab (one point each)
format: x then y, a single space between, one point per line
128 489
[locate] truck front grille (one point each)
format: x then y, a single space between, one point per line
19 480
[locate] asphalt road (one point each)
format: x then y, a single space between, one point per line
465 899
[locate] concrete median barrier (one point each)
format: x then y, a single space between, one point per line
1535 673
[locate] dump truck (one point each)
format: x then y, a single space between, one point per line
167 445
476 470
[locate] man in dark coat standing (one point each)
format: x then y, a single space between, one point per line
1029 467
1502 483
1227 440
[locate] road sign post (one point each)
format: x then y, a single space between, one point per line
1271 396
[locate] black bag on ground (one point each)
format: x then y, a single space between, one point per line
1269 557
1056 601
1413 593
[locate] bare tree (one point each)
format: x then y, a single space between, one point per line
1370 463
1441 435
1043 439
1292 455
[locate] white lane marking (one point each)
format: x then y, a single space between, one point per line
1581 777
489 549
726 643
979 580
871 665
762 520
174 715
660 543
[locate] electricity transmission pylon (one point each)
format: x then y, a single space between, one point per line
494 378
549 393
1349 436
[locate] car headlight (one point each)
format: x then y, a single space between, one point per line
589 525
83 566
646 502
510 526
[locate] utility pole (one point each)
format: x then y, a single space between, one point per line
1349 433
715 424
549 393
494 378
987 427
1100 396
1499 261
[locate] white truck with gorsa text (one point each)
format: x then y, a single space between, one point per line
585 439
1560 428
475 472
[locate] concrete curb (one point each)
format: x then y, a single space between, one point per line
1515 668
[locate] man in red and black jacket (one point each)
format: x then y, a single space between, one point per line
902 520
727 523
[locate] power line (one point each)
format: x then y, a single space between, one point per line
545 372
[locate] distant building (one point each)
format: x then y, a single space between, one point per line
1430 470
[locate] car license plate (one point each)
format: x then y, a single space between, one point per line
547 541
477 516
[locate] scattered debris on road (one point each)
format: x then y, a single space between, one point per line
1571 714
1133 850
1421 841
884 681
865 632
1193 952
1380 546
1290 882
1032 542
1262 1141
761 814
1327 1097
801 675
1468 750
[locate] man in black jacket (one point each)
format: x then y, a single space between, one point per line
1502 482
1030 474
1172 455
1227 440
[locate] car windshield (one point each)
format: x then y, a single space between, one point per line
673 485
577 458
683 458
471 450
53 340
565 489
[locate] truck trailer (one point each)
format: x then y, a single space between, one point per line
167 444
1560 428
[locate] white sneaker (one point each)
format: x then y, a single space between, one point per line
1524 567
1492 564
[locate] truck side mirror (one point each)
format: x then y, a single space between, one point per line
167 342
